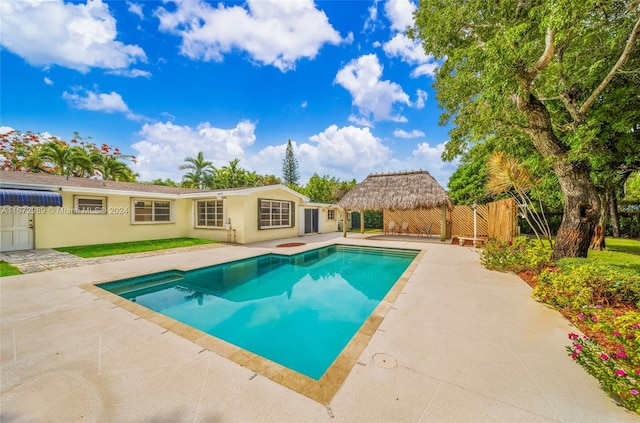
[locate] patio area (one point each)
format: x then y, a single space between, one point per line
460 343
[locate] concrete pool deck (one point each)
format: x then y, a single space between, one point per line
460 343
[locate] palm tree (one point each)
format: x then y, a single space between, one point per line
198 169
507 175
231 176
113 169
66 160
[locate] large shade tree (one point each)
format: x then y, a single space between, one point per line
547 69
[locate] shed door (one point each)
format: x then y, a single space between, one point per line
16 229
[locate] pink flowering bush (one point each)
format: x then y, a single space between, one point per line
619 377
515 256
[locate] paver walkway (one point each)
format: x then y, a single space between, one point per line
31 261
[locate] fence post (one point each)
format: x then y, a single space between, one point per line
443 223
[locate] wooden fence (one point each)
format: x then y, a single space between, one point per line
503 219
493 220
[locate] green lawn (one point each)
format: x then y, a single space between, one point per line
620 252
8 270
101 250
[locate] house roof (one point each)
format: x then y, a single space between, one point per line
45 181
396 191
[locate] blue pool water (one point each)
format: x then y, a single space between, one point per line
299 311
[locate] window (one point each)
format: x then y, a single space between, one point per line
210 214
275 214
331 214
90 205
149 211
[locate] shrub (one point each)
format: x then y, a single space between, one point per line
578 284
516 256
617 376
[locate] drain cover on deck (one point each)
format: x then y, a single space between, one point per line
385 361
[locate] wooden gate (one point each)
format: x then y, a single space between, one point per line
503 222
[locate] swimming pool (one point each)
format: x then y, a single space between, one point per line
299 311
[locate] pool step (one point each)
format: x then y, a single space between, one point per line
139 284
387 252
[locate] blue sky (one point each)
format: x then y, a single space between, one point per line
166 79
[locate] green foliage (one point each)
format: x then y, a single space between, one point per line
198 174
326 189
632 188
101 250
290 172
578 283
166 182
320 189
8 270
372 220
516 256
467 183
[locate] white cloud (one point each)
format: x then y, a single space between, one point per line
427 69
76 36
399 133
400 13
48 81
304 104
374 98
131 73
99 102
372 19
412 53
422 97
163 147
344 152
272 32
136 9
429 158
347 148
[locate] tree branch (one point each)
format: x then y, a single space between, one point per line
571 105
519 8
621 61
547 55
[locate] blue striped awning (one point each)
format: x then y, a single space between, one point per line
23 197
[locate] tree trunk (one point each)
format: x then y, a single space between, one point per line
597 242
581 201
615 217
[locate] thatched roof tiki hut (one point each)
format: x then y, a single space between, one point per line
397 191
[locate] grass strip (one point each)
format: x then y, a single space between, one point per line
101 250
8 270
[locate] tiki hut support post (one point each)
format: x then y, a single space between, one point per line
362 221
344 223
443 223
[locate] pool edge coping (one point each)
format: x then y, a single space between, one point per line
322 390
